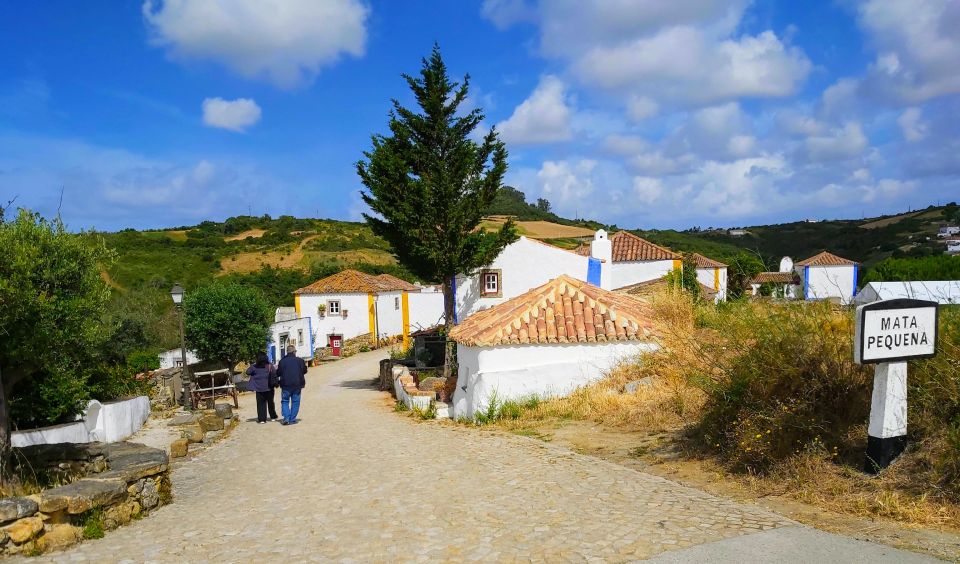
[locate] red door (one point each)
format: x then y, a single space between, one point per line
335 342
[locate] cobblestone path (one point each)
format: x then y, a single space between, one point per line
357 482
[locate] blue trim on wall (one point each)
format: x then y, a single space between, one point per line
806 282
856 274
310 334
453 290
593 271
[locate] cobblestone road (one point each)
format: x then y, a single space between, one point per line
356 482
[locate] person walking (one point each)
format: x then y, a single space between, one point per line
263 378
292 371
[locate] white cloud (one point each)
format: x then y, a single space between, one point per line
684 64
917 45
544 117
283 41
640 108
842 143
911 125
235 115
566 183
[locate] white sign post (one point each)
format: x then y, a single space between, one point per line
888 334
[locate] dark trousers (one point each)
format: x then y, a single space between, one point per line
265 404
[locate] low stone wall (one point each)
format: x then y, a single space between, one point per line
407 392
122 481
107 422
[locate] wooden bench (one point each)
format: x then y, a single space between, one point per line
212 385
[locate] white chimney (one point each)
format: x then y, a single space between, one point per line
601 248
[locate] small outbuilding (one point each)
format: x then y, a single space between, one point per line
546 342
826 276
712 274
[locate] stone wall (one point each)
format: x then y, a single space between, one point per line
120 482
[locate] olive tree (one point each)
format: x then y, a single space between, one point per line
226 322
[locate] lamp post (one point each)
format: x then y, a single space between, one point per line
176 293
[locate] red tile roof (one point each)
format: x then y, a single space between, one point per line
353 281
627 247
776 278
704 262
564 310
825 259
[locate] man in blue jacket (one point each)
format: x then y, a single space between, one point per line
292 371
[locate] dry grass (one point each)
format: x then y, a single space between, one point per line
295 256
255 233
887 221
779 415
538 229
177 234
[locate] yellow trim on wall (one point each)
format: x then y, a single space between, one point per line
677 264
372 315
296 304
405 314
716 279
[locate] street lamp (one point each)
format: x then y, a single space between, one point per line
176 293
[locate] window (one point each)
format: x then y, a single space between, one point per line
333 307
300 336
490 284
396 303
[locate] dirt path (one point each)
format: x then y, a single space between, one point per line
355 481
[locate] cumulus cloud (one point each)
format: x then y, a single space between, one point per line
841 143
917 47
283 41
682 63
544 117
913 128
235 115
640 108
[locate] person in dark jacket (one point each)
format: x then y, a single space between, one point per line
292 371
262 379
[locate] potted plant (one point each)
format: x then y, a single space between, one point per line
322 310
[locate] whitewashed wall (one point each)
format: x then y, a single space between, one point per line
525 264
426 309
294 328
172 357
707 277
389 314
545 370
823 282
108 422
356 323
634 272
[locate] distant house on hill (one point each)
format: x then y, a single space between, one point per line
737 232
548 341
940 291
352 303
712 274
948 231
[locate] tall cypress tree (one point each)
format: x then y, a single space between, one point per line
428 183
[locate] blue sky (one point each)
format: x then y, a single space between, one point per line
643 113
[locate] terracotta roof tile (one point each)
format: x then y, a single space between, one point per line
354 281
627 247
704 262
564 310
776 278
825 259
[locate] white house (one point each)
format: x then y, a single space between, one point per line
712 274
786 284
827 276
173 358
940 291
352 303
524 264
632 259
948 231
620 260
953 246
297 332
545 342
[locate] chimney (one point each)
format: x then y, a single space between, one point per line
601 248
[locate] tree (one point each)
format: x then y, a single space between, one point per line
226 322
743 267
685 277
428 184
52 300
543 205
